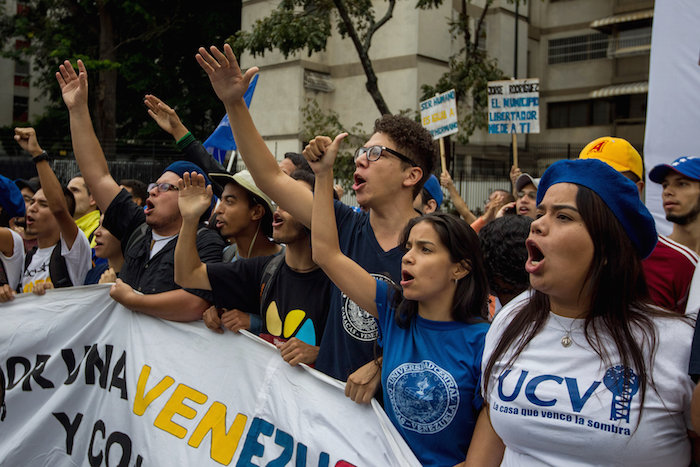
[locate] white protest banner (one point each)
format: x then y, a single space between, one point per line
439 114
91 383
673 104
514 106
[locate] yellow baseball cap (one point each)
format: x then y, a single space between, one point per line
618 153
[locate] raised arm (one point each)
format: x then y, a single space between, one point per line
459 203
26 138
194 198
346 274
230 85
87 149
515 173
166 118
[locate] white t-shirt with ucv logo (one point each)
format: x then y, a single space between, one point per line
563 406
78 262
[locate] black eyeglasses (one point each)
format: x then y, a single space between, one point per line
375 152
162 187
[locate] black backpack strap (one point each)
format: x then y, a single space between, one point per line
268 277
28 257
27 261
58 270
136 236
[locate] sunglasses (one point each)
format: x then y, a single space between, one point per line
162 187
375 152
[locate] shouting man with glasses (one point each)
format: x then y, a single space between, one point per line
148 236
389 172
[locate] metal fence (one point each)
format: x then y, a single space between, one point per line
146 162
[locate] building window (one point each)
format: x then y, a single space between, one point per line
22 7
579 113
20 109
22 74
631 42
578 48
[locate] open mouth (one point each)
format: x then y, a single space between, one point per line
277 220
149 207
29 220
406 278
535 256
359 181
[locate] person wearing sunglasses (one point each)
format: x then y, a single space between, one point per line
148 236
390 170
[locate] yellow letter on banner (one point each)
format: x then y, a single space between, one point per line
175 406
223 443
141 403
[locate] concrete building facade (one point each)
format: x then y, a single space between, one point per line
591 56
20 100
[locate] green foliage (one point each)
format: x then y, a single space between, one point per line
469 72
153 52
297 25
293 26
327 123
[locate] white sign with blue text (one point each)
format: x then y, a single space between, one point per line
514 106
439 114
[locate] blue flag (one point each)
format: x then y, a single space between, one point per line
221 140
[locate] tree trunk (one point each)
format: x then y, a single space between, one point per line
106 96
363 53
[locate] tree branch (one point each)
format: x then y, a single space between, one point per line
362 52
375 26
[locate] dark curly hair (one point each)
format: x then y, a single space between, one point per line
298 160
412 140
503 244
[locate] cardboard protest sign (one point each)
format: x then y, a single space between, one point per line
514 106
439 114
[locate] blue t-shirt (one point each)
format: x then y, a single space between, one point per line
430 377
348 340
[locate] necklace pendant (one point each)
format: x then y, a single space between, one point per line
566 341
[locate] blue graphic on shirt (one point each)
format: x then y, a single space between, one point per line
624 384
424 397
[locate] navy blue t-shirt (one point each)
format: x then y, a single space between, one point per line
348 341
430 378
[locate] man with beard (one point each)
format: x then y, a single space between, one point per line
670 266
681 198
288 291
146 283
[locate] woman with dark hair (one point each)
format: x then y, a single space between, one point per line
586 371
432 334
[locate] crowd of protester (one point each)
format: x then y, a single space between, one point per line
557 328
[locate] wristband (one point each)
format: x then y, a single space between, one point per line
185 141
44 156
